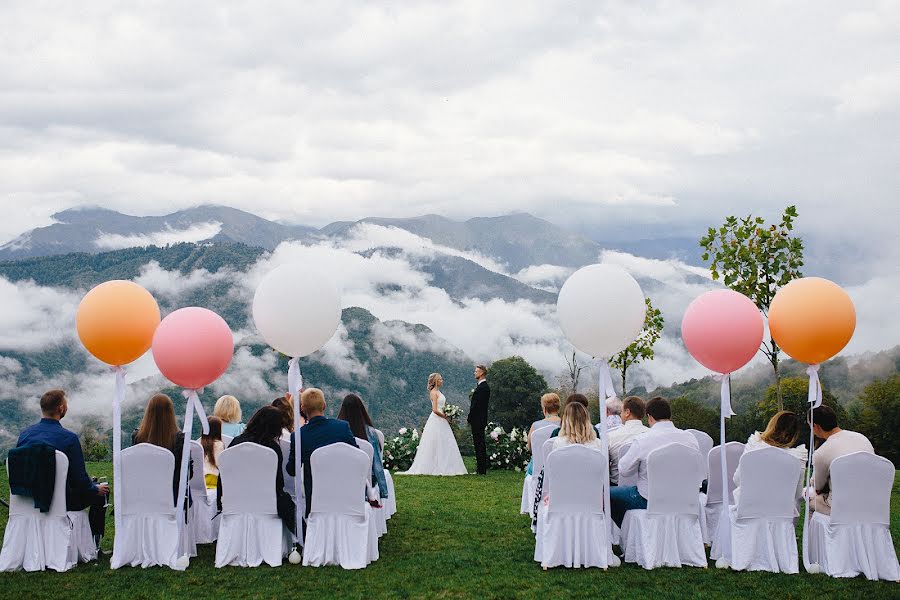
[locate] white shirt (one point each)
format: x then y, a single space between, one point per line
618 438
480 381
635 460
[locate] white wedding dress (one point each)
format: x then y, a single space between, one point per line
438 453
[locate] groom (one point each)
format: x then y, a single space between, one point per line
478 416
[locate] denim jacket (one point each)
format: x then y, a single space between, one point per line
377 466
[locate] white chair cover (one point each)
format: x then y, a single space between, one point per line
35 541
615 534
667 533
82 539
379 514
711 501
706 443
200 527
763 537
251 531
572 529
856 538
149 535
529 485
226 440
288 479
390 503
338 530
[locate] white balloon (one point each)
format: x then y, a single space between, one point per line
296 309
601 309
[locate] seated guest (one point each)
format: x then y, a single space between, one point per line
838 442
580 399
781 432
228 409
576 428
613 414
286 405
212 448
319 431
264 429
632 413
550 407
662 432
160 428
81 491
354 412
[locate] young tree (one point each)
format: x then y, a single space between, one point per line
574 372
516 389
755 259
642 348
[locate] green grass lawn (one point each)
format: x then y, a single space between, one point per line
457 537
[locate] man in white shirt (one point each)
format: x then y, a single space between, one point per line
662 432
838 442
633 410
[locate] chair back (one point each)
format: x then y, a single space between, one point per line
733 453
861 489
248 473
198 480
674 473
380 435
704 440
339 475
285 453
24 505
146 487
578 473
769 479
632 479
366 447
226 440
538 438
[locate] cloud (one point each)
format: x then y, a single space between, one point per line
195 233
35 317
173 284
544 277
246 376
337 354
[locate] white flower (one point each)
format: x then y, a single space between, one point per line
518 470
403 431
498 430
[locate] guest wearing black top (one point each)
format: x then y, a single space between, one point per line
160 428
264 428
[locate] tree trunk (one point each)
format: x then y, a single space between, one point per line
777 376
624 392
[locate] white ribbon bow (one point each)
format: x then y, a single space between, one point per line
193 402
815 386
606 388
725 398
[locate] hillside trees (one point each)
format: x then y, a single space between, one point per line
516 389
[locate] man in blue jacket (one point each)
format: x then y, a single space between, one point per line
81 491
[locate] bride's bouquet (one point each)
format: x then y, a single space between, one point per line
452 411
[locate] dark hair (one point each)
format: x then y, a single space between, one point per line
264 427
287 412
782 430
483 368
579 398
208 440
52 401
824 417
158 427
635 405
659 409
354 412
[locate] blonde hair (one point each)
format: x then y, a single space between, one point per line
228 409
782 430
576 424
550 403
432 380
312 400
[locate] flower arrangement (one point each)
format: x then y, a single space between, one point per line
453 412
507 450
400 450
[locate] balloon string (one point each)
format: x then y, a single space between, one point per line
606 390
192 401
118 399
295 384
815 400
725 517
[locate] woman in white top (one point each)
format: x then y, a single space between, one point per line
576 428
781 432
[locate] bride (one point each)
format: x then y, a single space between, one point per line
438 453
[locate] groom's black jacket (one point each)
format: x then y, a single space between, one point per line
478 410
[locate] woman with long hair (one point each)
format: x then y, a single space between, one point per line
286 405
782 431
160 428
264 428
353 410
576 428
438 452
212 448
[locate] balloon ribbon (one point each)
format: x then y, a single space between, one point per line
725 412
606 391
117 442
193 402
814 399
295 384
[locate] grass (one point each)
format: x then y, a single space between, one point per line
459 537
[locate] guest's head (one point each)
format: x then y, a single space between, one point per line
208 440
613 407
228 409
576 424
312 402
824 422
435 381
353 410
158 426
658 409
550 404
480 372
783 430
287 412
54 405
633 409
578 398
264 426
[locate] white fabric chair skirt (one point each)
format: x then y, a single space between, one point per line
851 550
379 516
390 503
572 540
760 545
245 540
709 519
211 514
37 542
82 539
200 520
662 540
146 541
527 504
333 539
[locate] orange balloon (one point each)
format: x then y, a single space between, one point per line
116 321
812 319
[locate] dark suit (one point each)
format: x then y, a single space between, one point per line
478 419
318 433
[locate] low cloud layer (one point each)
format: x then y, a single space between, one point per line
169 235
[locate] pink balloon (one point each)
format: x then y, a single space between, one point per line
723 330
192 347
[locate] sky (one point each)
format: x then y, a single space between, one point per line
624 119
